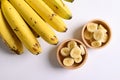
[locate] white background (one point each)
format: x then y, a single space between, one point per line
101 64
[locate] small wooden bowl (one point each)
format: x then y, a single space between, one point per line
105 25
60 57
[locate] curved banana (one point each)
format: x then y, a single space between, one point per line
102 28
59 8
105 38
47 14
20 27
82 50
69 0
34 21
9 36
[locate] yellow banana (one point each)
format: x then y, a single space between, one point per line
48 14
9 36
65 51
20 27
75 52
96 44
34 20
78 60
68 61
92 27
35 34
69 0
59 8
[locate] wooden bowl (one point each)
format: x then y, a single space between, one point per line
105 25
75 65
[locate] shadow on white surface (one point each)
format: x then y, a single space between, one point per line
77 32
53 59
4 48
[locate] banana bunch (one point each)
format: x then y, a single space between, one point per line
23 21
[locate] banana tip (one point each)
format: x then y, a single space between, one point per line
38 53
70 17
65 29
56 43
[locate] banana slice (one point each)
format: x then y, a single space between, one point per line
75 52
91 27
65 51
88 35
96 43
105 38
78 60
98 35
91 40
102 28
82 50
68 61
71 44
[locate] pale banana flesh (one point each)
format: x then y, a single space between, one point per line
35 21
9 36
65 51
48 14
88 35
102 28
20 27
68 61
59 8
71 44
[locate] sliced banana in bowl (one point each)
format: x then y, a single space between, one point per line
96 34
72 54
